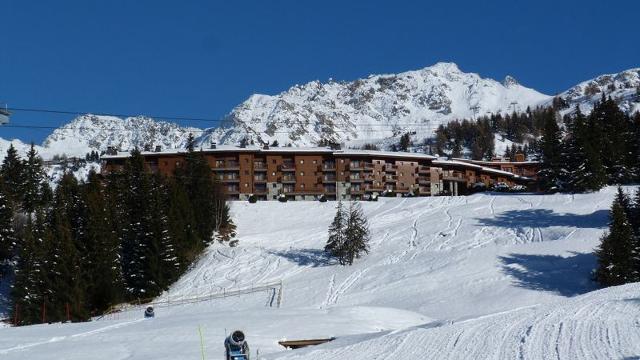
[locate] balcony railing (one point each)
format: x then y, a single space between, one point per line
259 179
329 167
329 179
259 166
288 167
288 179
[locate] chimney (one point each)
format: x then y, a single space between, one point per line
213 145
158 148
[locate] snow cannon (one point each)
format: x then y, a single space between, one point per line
236 346
148 313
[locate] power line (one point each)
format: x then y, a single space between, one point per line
363 128
80 113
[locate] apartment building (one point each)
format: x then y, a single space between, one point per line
308 173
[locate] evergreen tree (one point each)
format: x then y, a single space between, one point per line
34 180
135 229
12 173
103 260
31 283
8 240
67 289
356 236
405 142
181 224
551 172
586 172
615 259
335 243
195 176
163 264
615 140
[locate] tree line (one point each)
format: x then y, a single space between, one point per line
592 151
87 245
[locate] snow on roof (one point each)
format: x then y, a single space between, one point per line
458 163
494 162
227 148
354 152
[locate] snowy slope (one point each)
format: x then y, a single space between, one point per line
623 87
374 108
92 132
484 276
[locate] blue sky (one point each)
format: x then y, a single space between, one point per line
201 58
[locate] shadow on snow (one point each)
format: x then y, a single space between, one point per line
545 218
566 276
306 257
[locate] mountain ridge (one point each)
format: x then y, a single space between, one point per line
378 109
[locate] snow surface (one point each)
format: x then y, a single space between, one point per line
485 276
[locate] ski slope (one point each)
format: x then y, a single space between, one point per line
484 276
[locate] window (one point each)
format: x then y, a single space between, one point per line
274 186
341 172
301 186
273 174
342 161
315 162
246 185
301 161
302 173
273 161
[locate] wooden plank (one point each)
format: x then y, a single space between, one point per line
296 344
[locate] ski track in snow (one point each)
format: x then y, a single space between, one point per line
469 265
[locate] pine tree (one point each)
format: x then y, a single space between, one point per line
196 178
356 236
8 240
551 171
181 224
615 258
135 241
12 173
103 260
67 289
635 224
615 140
586 172
33 193
163 264
31 283
335 242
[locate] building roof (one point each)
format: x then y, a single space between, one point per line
493 162
255 149
355 152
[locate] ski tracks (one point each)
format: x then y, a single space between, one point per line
66 337
334 294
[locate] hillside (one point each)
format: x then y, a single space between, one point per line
484 276
372 109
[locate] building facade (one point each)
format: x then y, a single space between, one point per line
309 173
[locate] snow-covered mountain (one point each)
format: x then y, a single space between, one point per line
92 132
623 87
374 108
